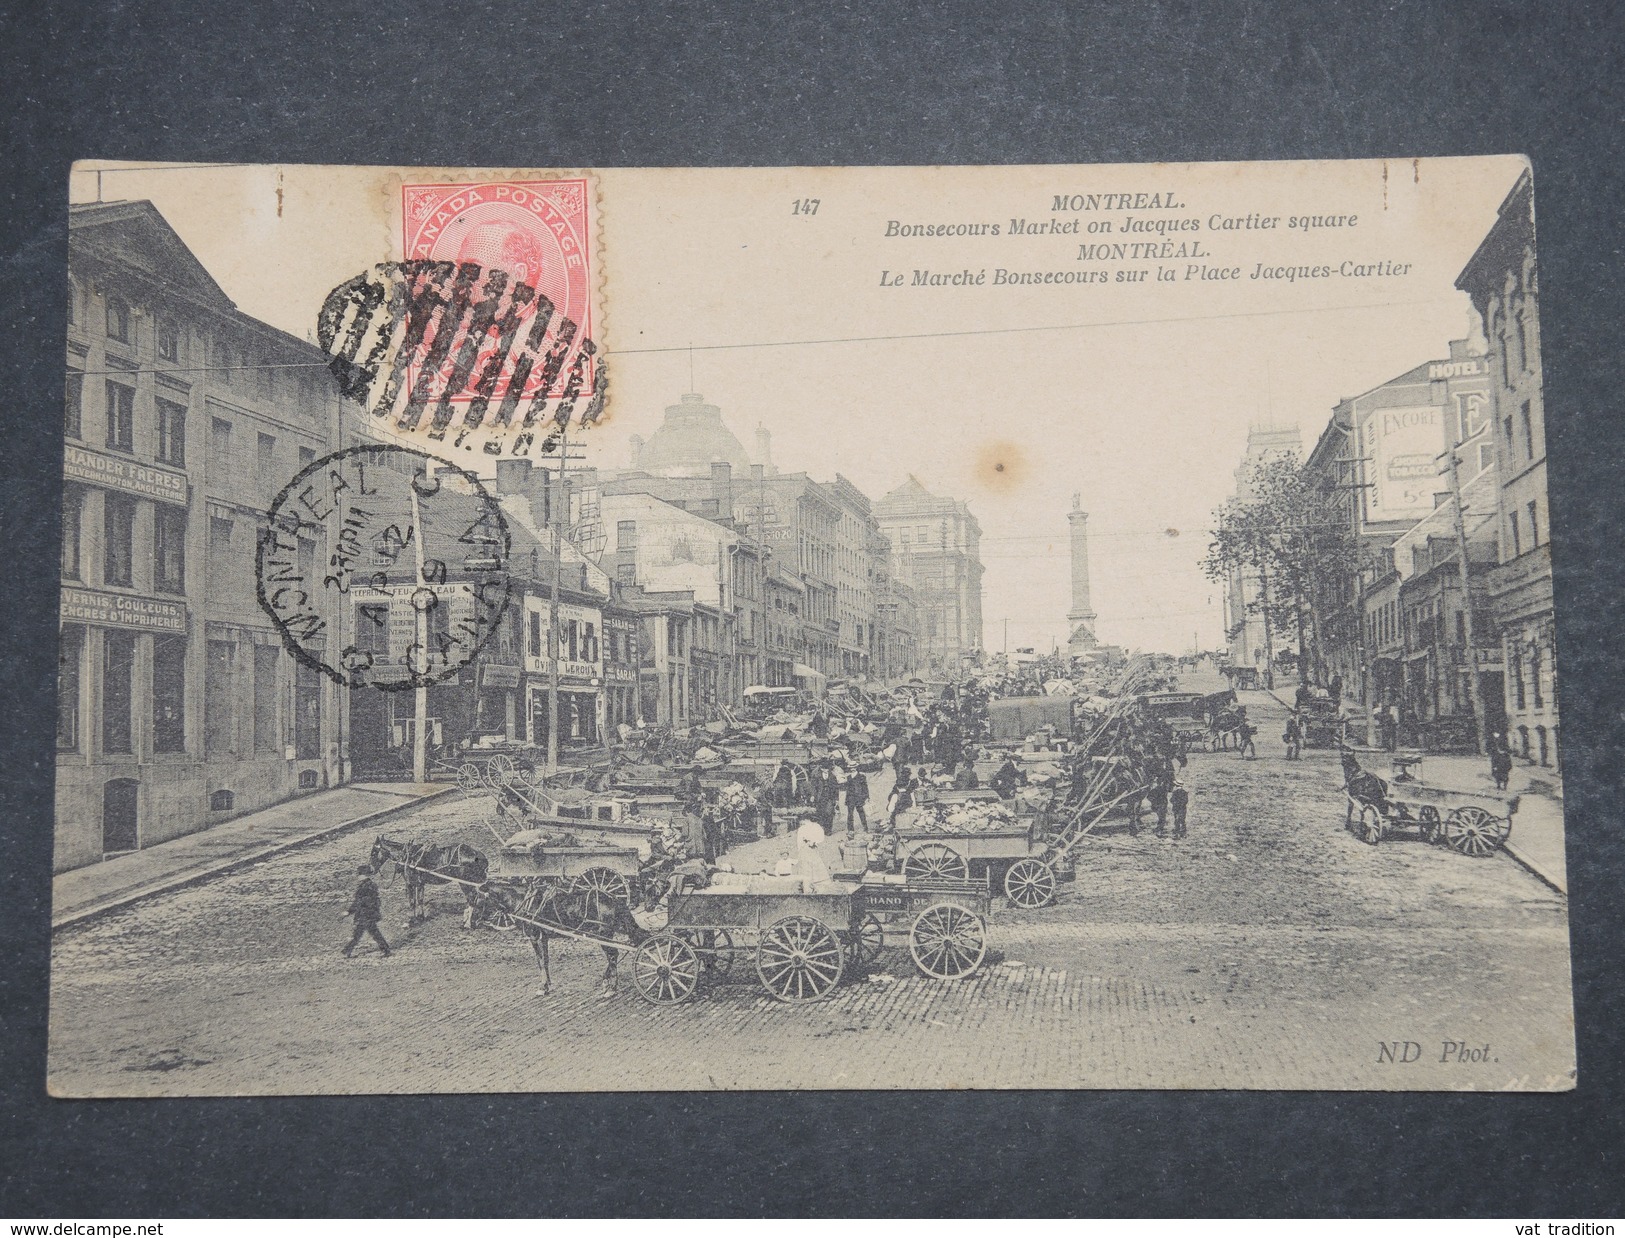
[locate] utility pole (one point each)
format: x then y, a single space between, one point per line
1475 691
420 694
555 497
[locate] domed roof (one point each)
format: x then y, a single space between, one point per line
689 440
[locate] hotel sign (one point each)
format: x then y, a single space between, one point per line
121 610
147 481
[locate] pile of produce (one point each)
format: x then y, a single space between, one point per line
735 798
974 817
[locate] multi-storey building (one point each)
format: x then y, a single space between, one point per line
856 539
1503 283
936 551
178 705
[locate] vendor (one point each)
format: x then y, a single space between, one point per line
1006 779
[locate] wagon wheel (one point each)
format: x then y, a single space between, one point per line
1370 824
935 862
1029 884
500 769
716 950
865 942
1475 831
947 941
1427 817
592 901
469 781
665 970
799 959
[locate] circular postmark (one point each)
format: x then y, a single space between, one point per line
383 566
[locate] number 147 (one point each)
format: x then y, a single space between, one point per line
805 206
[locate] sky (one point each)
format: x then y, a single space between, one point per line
1136 395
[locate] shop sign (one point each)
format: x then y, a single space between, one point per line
121 610
493 676
567 668
147 481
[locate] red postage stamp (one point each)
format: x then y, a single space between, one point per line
538 232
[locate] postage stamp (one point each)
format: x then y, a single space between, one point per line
417 577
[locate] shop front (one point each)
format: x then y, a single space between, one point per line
578 718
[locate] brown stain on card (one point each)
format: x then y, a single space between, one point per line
1001 466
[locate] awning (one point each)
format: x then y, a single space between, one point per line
802 671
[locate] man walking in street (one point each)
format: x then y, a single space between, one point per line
366 909
1157 798
825 795
857 798
1180 799
1500 761
1293 736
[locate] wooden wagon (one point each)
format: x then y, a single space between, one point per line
1475 823
803 944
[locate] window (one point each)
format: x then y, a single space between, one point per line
307 712
120 416
73 412
169 341
589 644
69 669
118 667
307 455
219 697
73 513
220 565
535 640
1506 425
172 433
626 535
626 573
1528 432
219 448
572 638
1534 526
169 549
267 739
222 801
118 539
118 320
1534 679
267 458
169 694
1461 628
1517 682
1517 543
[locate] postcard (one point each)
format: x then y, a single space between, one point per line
559 629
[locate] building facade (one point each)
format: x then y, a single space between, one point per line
936 551
1503 282
178 705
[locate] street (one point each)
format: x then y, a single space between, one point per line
1269 949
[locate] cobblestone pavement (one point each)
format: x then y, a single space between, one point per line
1270 949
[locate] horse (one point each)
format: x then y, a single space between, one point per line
426 864
537 907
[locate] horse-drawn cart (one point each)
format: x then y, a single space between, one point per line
579 886
803 944
1475 823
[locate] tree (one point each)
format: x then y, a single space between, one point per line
1284 531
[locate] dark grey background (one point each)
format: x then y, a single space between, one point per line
637 84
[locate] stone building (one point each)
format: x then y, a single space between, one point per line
178 705
1503 283
936 551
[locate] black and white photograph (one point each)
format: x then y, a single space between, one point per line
582 630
